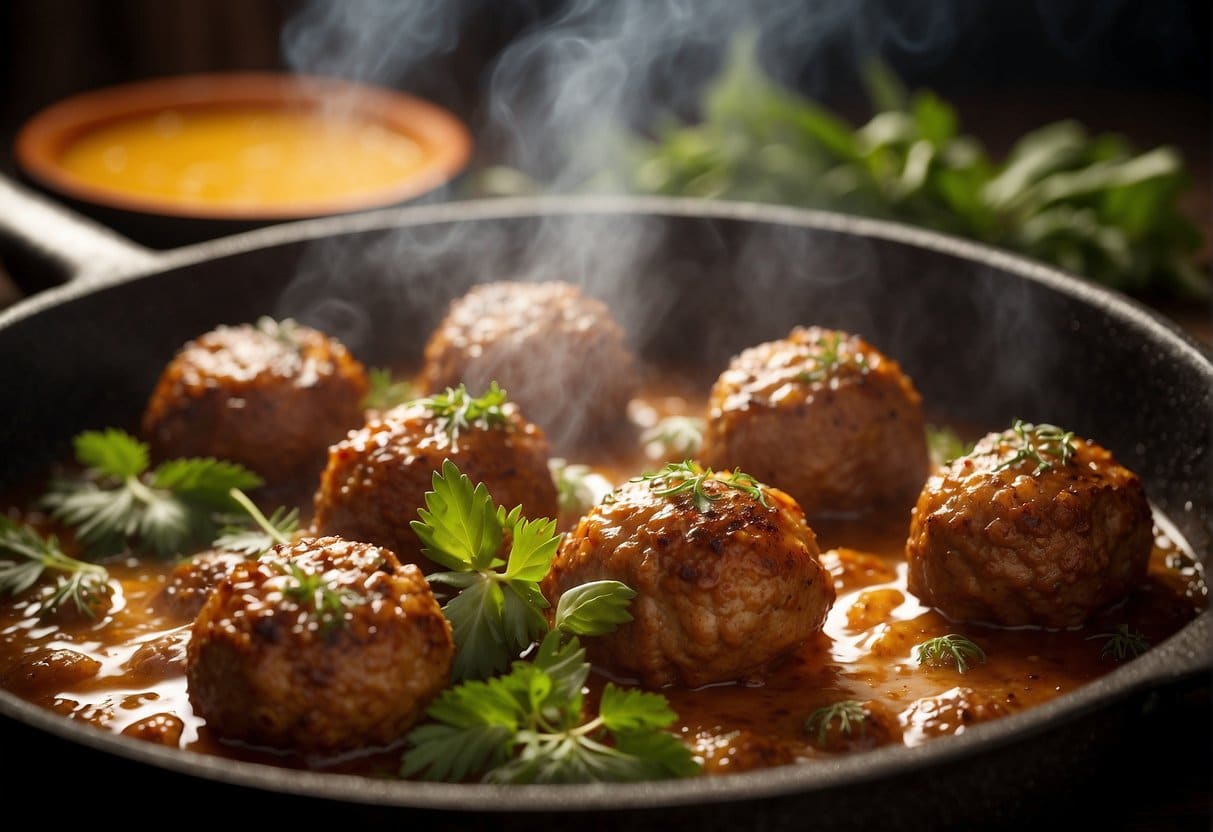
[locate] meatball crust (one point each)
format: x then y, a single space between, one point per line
996 539
823 415
376 478
349 663
271 396
191 582
721 592
560 354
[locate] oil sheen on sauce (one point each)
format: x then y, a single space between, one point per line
127 669
242 156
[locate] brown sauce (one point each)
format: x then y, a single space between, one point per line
126 670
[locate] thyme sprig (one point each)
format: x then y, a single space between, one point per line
952 649
1045 445
849 715
84 584
688 477
830 359
1122 644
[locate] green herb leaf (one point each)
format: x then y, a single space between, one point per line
456 409
256 534
945 445
848 714
688 477
84 584
674 437
594 608
459 527
952 649
1044 445
1122 644
386 392
528 727
312 591
573 490
118 502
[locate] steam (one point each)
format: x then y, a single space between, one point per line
554 100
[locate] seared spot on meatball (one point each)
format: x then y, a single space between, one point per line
376 478
560 353
271 397
192 580
723 589
272 666
995 539
823 415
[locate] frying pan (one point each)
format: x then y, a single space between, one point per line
986 336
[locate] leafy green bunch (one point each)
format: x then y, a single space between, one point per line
26 556
121 500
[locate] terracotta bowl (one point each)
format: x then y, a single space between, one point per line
443 140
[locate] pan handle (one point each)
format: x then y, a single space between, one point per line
44 244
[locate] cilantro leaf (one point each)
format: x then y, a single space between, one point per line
594 608
532 549
118 502
624 710
458 527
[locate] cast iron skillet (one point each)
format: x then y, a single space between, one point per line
986 336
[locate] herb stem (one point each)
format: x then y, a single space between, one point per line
258 518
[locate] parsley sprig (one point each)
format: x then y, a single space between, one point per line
498 612
830 359
385 391
1122 644
952 649
688 477
1045 445
120 501
84 584
574 494
848 714
457 410
256 534
529 726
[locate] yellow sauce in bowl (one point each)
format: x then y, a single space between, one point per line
248 156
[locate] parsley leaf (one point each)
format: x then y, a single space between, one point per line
457 410
528 727
84 584
594 608
119 501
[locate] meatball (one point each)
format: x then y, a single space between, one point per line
376 478
726 573
561 355
952 712
160 729
741 750
271 397
323 646
46 671
1033 527
191 582
824 416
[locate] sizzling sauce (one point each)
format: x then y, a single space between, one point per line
125 672
243 156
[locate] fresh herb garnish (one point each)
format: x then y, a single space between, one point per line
263 533
529 727
1122 644
849 714
1036 442
119 501
84 584
952 649
573 491
945 445
456 409
830 359
688 477
593 609
386 392
313 592
674 437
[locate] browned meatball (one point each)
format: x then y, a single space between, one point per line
46 671
952 712
271 397
1033 527
322 646
191 582
741 750
161 729
561 355
823 415
377 477
726 573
